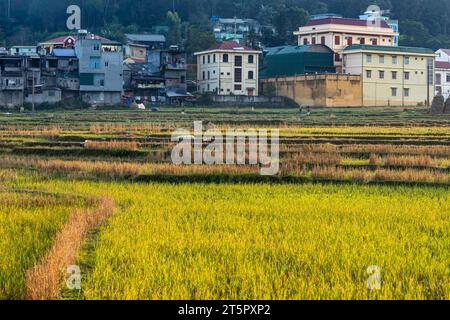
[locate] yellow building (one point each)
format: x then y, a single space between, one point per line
337 33
392 76
228 68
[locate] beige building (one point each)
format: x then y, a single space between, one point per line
337 33
228 68
392 76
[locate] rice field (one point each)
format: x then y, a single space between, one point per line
105 196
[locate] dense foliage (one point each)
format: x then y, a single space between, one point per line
422 22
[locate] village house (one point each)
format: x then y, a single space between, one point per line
100 69
12 80
392 76
228 68
337 33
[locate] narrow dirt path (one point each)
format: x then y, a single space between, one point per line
44 279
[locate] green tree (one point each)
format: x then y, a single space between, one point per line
174 24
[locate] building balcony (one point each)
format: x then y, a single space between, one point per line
176 66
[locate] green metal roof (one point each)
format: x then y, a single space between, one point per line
296 60
297 49
366 47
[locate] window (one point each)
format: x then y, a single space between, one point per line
337 57
374 42
237 75
362 40
94 62
106 64
214 58
406 59
96 47
250 75
394 60
406 92
322 40
337 40
251 59
209 75
349 41
305 41
381 74
209 58
238 61
394 92
394 75
204 61
237 87
368 74
313 40
438 78
381 59
225 57
369 58
406 75
51 93
204 78
447 77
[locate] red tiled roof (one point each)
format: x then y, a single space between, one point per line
229 45
63 39
442 65
345 21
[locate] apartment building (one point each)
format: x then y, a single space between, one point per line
392 76
337 33
12 81
100 70
228 68
443 72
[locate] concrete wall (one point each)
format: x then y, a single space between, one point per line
332 90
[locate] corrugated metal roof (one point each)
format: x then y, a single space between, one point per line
146 37
365 47
298 49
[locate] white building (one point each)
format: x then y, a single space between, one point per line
443 72
337 33
228 68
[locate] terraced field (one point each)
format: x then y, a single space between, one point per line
355 189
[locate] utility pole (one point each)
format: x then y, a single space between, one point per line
9 9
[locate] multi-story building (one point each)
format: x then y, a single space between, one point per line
337 33
12 81
100 70
227 68
60 70
392 76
